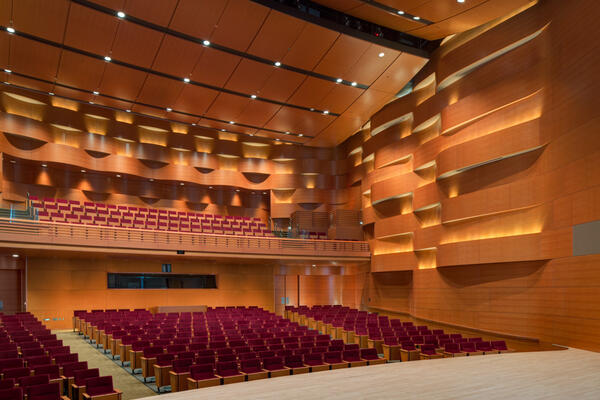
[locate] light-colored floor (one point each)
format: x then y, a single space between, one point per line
130 386
569 374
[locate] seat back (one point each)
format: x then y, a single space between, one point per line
26 381
81 375
48 391
227 368
333 357
16 373
7 384
15 393
70 368
369 354
99 386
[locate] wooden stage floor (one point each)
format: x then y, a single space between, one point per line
569 374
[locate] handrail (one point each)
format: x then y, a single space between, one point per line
67 234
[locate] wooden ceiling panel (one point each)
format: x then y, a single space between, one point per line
4 49
342 56
122 82
369 66
276 36
159 113
158 12
121 105
177 56
368 103
339 99
5 13
33 58
41 18
444 9
112 4
402 70
160 91
228 127
135 44
26 82
337 132
195 99
197 18
90 30
80 71
72 94
250 77
299 121
257 113
239 24
310 47
312 92
282 84
227 107
215 67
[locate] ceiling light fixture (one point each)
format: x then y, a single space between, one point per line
252 96
83 171
312 109
400 12
231 122
169 109
193 124
15 256
264 192
51 93
121 14
210 187
223 129
96 92
339 80
237 190
354 84
8 71
10 29
277 64
128 110
314 265
381 54
44 165
416 18
107 58
118 175
186 80
91 102
300 135
206 43
460 1
181 184
151 180
287 133
326 112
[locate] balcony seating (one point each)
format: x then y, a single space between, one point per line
101 388
201 376
500 346
470 349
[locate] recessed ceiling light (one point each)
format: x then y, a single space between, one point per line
8 71
83 170
151 180
181 183
96 92
186 80
121 14
339 80
128 110
210 187
460 1
264 192
253 96
416 18
381 54
237 190
193 124
353 84
10 29
223 129
312 109
231 122
206 43
51 93
400 12
326 112
91 102
277 64
107 58
118 175
314 265
15 256
44 165
287 133
300 135
169 109
277 139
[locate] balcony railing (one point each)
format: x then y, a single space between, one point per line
26 233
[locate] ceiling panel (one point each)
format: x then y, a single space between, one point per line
26 82
135 44
257 113
80 71
160 91
310 47
312 92
299 121
90 30
5 13
368 103
150 111
41 18
342 55
227 107
112 4
215 67
276 36
33 58
197 18
337 132
369 66
239 23
195 99
156 11
227 127
73 94
402 70
121 105
4 49
250 77
122 82
177 57
339 99
444 9
281 85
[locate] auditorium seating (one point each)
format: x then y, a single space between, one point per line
39 364
233 344
90 213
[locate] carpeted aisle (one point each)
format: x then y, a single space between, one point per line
131 387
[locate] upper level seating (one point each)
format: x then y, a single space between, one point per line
90 213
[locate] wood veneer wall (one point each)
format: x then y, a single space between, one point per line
472 183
